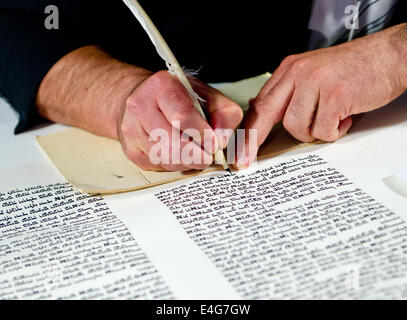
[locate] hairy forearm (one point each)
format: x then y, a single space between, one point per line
87 89
399 43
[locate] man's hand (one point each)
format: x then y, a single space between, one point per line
91 90
316 93
161 102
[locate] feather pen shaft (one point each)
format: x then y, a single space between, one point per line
172 64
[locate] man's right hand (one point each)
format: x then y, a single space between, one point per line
162 104
91 90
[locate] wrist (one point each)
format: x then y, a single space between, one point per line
404 39
86 89
399 46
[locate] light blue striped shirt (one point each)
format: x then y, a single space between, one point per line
329 19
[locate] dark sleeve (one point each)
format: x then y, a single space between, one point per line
400 14
27 51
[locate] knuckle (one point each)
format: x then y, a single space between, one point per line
132 101
297 128
159 79
134 104
323 120
297 131
288 60
263 106
125 129
324 133
300 64
296 111
290 124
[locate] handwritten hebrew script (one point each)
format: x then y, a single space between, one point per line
299 229
56 243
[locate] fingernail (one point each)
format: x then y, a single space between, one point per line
243 162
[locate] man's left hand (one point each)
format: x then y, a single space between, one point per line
316 93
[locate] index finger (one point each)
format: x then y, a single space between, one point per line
177 107
264 114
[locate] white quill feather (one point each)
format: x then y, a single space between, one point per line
162 48
172 64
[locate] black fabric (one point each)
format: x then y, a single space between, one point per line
400 14
228 40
